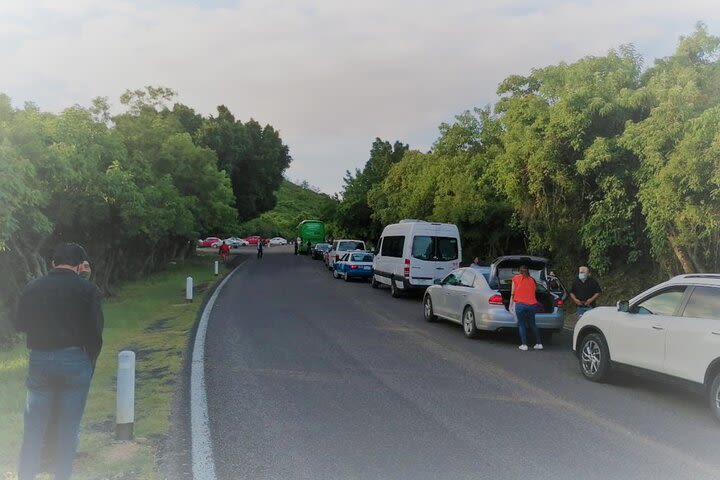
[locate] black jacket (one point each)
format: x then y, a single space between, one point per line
61 310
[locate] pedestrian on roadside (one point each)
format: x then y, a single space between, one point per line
260 249
62 318
585 291
224 252
309 250
523 296
476 263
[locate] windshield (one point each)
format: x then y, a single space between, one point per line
362 257
347 245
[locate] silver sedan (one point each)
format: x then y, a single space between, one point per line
465 296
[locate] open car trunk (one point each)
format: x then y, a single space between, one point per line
504 268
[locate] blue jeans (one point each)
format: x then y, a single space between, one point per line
580 310
57 388
526 317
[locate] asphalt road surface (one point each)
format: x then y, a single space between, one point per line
309 377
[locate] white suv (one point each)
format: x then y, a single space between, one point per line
672 329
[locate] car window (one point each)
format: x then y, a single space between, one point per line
468 278
704 302
453 278
423 248
362 257
665 302
350 245
393 246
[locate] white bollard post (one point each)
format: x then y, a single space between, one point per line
189 289
216 268
125 416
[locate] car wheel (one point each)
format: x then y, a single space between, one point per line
714 396
394 290
594 357
335 274
428 309
346 277
469 326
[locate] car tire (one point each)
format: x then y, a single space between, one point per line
394 290
714 396
335 274
428 311
469 325
594 357
346 277
374 283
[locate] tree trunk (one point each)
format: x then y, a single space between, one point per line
686 263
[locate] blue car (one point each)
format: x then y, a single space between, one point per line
355 264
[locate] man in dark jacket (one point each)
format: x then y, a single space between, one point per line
63 320
585 291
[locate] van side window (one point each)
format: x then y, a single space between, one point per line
392 246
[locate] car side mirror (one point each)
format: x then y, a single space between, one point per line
437 281
623 306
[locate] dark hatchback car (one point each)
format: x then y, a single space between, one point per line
319 250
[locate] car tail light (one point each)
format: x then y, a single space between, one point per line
495 300
353 267
559 303
406 270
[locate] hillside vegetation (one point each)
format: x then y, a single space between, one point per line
294 203
602 161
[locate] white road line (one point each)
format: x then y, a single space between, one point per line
203 464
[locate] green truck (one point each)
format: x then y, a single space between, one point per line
312 231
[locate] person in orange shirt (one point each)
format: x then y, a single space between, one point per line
523 295
224 252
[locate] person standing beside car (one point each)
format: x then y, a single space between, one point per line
585 291
523 296
224 251
62 318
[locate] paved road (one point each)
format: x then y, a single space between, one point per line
313 378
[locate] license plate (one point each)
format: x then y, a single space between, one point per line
366 267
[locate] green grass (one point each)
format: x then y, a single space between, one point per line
150 317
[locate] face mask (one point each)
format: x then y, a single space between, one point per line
84 275
582 276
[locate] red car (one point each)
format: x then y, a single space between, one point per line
208 242
254 240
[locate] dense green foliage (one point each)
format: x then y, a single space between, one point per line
295 203
137 189
599 161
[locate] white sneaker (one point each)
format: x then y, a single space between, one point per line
523 348
538 346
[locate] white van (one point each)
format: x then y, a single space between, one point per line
340 247
413 253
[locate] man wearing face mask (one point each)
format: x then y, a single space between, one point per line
63 321
585 291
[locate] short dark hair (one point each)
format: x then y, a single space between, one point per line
69 254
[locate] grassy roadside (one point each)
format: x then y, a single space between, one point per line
150 317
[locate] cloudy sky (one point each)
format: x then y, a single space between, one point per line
331 75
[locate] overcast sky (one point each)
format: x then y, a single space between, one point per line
331 75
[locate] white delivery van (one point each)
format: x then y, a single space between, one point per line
413 253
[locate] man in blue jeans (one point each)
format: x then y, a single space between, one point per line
63 321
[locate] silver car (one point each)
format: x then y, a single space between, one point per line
478 298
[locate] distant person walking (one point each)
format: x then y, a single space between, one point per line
585 291
260 249
523 296
224 252
63 321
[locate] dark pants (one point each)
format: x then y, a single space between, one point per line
57 388
526 318
260 253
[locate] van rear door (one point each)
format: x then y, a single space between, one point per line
433 254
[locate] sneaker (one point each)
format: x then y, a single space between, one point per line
523 348
538 346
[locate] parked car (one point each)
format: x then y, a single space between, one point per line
319 250
208 242
278 241
481 303
413 254
672 329
339 247
236 242
253 240
356 264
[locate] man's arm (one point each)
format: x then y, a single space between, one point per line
96 326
